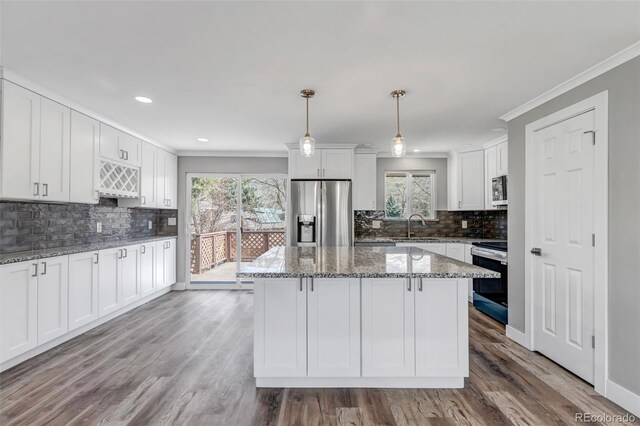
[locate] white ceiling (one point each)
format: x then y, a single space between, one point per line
231 72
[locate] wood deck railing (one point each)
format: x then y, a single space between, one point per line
211 249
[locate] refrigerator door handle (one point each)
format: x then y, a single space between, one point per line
319 217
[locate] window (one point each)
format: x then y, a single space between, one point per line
407 193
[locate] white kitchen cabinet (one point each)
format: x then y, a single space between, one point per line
109 290
364 182
165 263
490 171
83 288
333 327
502 159
280 327
55 137
337 163
305 167
20 146
439 248
166 180
441 328
471 180
118 146
84 163
18 309
455 251
388 346
53 298
148 175
147 268
129 274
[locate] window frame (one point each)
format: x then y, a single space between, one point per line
409 186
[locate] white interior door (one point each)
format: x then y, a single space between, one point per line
562 272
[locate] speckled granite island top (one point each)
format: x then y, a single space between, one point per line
420 240
61 251
359 262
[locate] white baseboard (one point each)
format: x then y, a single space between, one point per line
623 397
179 286
518 336
78 331
361 382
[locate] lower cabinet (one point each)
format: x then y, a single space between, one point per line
130 274
387 327
147 268
333 324
280 327
53 298
83 289
165 263
109 290
18 306
455 251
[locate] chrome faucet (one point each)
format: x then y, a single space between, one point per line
409 223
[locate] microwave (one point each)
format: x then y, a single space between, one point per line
499 191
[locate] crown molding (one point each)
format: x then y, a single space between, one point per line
608 64
14 78
205 153
495 142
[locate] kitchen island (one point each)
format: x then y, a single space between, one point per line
360 317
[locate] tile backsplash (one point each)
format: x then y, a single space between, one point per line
27 226
480 224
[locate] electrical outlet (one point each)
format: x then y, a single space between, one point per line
376 224
150 224
172 221
464 224
98 226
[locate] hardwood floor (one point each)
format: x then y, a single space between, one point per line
186 358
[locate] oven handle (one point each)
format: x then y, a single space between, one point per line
489 254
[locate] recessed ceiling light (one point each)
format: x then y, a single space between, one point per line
203 140
416 150
143 99
499 129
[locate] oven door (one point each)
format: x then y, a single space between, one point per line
491 294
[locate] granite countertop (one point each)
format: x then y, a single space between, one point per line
359 262
61 251
464 240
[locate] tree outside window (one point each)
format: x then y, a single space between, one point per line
407 193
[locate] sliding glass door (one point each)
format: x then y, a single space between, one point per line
233 219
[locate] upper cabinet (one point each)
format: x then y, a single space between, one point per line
364 181
84 167
158 180
118 146
466 180
328 162
502 159
495 164
167 180
35 146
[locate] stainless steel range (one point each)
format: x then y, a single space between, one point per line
490 295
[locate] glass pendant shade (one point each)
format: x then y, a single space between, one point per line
307 145
398 146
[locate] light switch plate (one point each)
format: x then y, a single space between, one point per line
375 224
98 226
150 224
464 224
172 221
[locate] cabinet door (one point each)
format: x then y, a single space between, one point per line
471 180
109 291
334 327
490 171
441 321
83 289
364 182
337 163
169 262
84 163
148 175
130 274
171 181
161 173
387 327
159 265
280 327
467 253
53 298
110 143
305 167
20 143
147 268
130 147
502 160
455 251
55 142
18 309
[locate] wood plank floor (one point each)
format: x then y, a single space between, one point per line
186 358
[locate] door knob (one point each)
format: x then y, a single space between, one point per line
536 251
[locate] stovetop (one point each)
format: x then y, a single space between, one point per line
495 245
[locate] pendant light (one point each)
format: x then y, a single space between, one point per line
398 145
307 143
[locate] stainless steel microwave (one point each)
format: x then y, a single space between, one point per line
499 191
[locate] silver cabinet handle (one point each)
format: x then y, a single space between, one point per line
44 268
97 255
323 170
125 252
419 284
312 284
459 204
537 251
35 270
144 199
121 154
126 155
119 253
143 249
45 189
300 284
318 172
36 188
409 284
97 194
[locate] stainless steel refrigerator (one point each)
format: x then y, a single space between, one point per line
320 213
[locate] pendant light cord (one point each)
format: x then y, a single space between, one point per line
307 117
398 113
